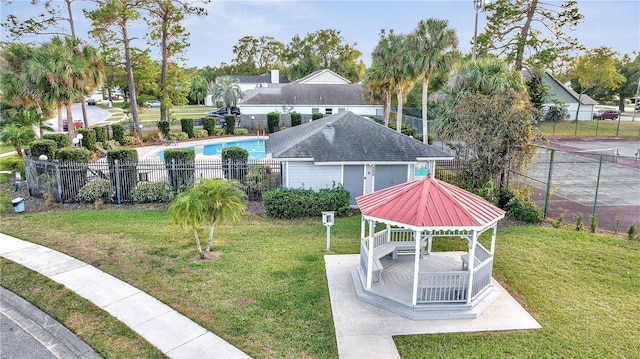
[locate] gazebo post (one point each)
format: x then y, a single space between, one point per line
370 256
493 237
362 222
472 262
388 234
416 267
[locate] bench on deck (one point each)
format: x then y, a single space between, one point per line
465 261
392 248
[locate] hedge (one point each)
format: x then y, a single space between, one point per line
187 126
290 203
61 139
273 120
118 132
42 147
179 164
89 138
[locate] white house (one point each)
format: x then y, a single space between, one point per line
249 83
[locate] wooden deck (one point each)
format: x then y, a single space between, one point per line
396 280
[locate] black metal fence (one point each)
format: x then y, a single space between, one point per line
63 180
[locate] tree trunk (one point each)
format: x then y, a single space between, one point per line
195 232
85 116
132 85
425 113
210 238
387 107
60 122
399 111
71 128
523 35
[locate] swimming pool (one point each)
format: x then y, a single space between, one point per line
254 147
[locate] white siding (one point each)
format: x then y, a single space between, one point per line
306 175
371 110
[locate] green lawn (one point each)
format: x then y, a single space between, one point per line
267 292
604 128
4 148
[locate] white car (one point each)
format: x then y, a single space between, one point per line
152 103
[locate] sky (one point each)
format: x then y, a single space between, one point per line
612 23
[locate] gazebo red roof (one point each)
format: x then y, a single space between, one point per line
429 202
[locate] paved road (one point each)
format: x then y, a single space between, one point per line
95 114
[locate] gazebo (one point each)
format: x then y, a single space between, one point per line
398 270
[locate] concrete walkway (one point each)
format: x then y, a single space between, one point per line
366 331
171 332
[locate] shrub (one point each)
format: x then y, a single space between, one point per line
101 134
72 154
524 210
73 170
92 191
632 232
219 131
179 163
88 138
229 123
316 116
124 177
128 141
61 139
164 127
406 130
289 203
273 120
177 136
13 163
147 192
234 161
187 126
209 124
200 133
296 119
42 147
579 221
593 223
117 129
240 131
259 179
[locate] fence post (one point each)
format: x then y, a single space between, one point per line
595 201
116 167
59 181
546 199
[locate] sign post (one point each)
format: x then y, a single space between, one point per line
327 220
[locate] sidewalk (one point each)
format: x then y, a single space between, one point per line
171 332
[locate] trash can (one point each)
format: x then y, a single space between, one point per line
18 204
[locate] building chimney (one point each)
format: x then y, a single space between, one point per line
275 76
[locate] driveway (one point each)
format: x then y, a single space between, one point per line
94 113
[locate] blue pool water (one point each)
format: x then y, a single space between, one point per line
254 147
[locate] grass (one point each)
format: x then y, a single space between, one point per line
604 128
109 337
4 148
267 292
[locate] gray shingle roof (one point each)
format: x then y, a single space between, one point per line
347 137
308 94
264 78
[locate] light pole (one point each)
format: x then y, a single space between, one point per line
80 137
477 4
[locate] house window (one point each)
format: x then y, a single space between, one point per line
341 109
328 111
315 110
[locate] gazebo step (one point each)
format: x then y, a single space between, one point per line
424 311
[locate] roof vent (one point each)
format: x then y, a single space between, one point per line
329 132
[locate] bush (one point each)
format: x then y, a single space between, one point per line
13 163
124 178
229 123
632 232
42 147
164 127
288 203
128 141
117 129
177 136
92 191
209 124
200 133
234 161
88 138
273 120
316 116
259 179
72 154
61 139
101 134
240 131
147 192
219 131
179 163
187 126
406 130
524 210
296 119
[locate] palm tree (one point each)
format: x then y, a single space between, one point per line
211 201
401 72
199 88
432 49
89 71
227 90
380 73
17 136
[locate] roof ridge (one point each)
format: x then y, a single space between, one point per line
321 124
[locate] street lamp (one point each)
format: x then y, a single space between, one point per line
477 4
78 138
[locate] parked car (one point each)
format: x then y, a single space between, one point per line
638 107
223 111
152 103
76 123
91 102
606 115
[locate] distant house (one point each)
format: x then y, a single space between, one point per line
322 91
350 150
249 83
563 93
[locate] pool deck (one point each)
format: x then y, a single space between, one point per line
148 151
